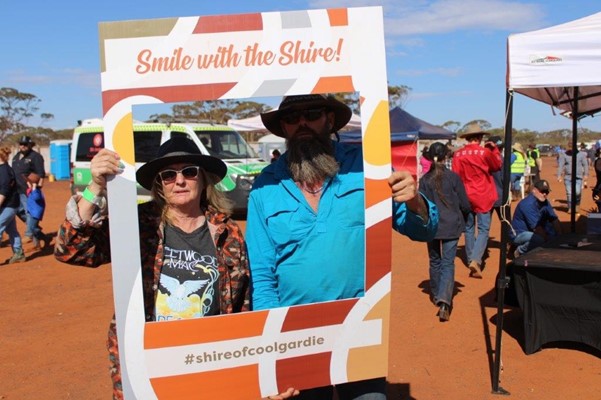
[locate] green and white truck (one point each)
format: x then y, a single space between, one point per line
216 140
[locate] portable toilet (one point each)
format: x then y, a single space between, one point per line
60 151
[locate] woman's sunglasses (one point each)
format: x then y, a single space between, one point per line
309 115
170 175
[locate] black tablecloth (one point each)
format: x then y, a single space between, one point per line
558 287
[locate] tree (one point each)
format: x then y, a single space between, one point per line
398 95
451 125
210 111
484 124
350 99
525 137
246 109
16 108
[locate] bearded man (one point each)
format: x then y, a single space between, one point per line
305 224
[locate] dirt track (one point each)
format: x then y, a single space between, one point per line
55 318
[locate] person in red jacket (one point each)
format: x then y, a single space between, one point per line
475 164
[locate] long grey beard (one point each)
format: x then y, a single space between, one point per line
311 162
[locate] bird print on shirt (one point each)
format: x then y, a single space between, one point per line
178 300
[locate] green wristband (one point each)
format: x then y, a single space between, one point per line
91 197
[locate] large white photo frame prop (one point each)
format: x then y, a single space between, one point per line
253 354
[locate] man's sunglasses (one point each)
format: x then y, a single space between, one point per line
170 175
309 115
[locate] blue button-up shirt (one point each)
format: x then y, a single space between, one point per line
300 256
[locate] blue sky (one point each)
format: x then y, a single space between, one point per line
452 53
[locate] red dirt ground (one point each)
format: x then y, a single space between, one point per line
55 318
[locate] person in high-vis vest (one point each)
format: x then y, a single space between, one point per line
535 163
519 161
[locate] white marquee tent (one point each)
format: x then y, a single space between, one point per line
247 124
559 66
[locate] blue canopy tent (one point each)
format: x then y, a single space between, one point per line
404 127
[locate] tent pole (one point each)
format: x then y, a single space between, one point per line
502 279
575 116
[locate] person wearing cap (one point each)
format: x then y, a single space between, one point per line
475 164
564 173
518 164
305 222
446 189
25 162
534 220
194 260
9 204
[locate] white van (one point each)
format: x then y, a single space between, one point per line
217 140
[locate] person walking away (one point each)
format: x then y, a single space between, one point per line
475 164
534 221
424 162
9 204
583 149
450 151
519 162
498 178
25 162
187 220
591 154
564 172
535 163
597 188
446 189
306 219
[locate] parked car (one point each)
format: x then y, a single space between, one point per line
546 150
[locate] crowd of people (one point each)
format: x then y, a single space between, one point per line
480 169
21 196
308 199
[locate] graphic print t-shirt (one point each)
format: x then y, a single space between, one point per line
189 282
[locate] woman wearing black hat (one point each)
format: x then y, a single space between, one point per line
187 216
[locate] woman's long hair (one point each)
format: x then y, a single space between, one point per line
438 153
211 197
